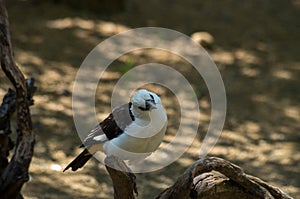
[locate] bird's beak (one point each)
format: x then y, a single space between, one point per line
151 104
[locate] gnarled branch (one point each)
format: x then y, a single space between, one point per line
14 173
196 183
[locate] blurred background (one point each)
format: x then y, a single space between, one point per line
255 45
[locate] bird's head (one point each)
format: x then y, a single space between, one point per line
143 101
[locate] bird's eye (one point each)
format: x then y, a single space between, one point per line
151 97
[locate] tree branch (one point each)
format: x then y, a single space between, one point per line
196 182
15 173
122 177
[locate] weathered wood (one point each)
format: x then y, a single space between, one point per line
14 173
213 185
122 177
228 181
275 191
196 183
7 108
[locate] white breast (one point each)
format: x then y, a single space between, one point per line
141 138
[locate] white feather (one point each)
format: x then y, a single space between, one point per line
144 135
100 138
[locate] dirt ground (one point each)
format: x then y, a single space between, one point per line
256 49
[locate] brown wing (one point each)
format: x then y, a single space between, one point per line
112 126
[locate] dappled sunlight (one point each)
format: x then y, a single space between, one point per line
223 57
26 57
71 23
35 39
52 121
282 74
249 127
83 185
230 57
105 28
108 75
250 72
234 137
246 56
292 112
260 98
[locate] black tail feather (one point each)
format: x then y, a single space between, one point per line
79 161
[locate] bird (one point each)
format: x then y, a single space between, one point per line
132 131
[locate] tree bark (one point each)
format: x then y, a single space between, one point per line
198 181
14 173
122 177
